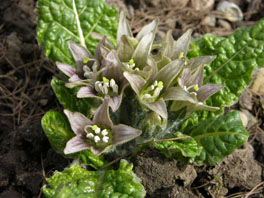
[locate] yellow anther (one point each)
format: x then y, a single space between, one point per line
196 88
94 127
86 60
105 80
181 55
160 84
131 62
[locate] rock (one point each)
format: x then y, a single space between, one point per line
245 100
209 20
258 83
202 5
225 24
247 118
230 11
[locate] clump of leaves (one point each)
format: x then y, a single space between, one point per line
119 95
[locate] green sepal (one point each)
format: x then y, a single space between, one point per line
75 20
183 149
79 183
219 137
67 97
58 131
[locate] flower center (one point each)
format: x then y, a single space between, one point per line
106 87
96 134
131 65
152 92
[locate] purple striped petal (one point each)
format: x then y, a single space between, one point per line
101 116
85 92
114 102
207 90
122 133
75 144
66 69
159 107
77 121
74 78
136 82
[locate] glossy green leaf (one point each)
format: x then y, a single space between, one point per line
237 56
75 20
182 149
58 131
79 183
67 97
219 136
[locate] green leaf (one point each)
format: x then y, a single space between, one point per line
237 56
58 131
75 20
79 183
182 149
68 99
219 137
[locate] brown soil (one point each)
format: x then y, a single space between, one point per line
26 157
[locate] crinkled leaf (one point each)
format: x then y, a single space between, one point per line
75 20
58 131
183 149
219 136
68 99
79 183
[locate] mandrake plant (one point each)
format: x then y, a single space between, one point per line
121 93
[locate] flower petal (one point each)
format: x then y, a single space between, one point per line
168 73
142 50
113 65
149 28
74 78
101 116
114 102
207 90
168 49
136 82
178 94
123 133
85 92
123 28
181 45
126 48
66 69
77 121
198 61
75 144
159 107
196 78
79 53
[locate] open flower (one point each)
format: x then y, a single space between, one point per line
98 78
110 82
150 93
190 91
98 135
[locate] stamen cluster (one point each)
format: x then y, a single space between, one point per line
153 91
103 87
96 134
